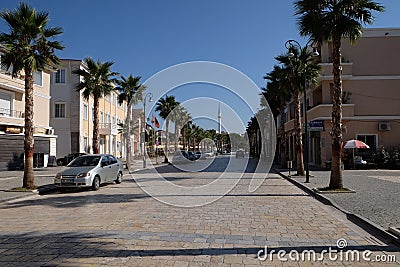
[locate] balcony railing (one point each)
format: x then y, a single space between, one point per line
4 112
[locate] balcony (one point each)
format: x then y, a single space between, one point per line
108 129
11 117
325 111
7 82
326 73
322 112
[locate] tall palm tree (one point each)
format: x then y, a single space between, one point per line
29 47
330 21
98 81
130 90
186 121
298 67
277 93
164 106
178 115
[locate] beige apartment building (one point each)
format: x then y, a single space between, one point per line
71 115
12 107
371 109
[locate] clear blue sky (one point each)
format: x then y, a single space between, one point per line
144 37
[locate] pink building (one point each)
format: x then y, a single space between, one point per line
371 86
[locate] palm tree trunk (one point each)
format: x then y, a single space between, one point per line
28 180
297 127
96 125
336 181
282 139
128 136
166 140
184 136
176 136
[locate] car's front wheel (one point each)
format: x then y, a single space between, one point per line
96 183
119 178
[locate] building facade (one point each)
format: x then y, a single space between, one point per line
12 108
71 115
371 96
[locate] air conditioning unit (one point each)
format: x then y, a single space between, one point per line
50 131
384 126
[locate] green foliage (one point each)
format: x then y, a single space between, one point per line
30 42
323 20
98 79
130 90
387 158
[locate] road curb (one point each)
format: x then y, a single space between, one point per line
359 220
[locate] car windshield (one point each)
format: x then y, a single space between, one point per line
85 161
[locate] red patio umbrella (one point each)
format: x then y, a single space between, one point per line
354 144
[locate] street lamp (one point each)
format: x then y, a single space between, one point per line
288 45
147 97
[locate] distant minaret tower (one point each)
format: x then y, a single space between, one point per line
219 119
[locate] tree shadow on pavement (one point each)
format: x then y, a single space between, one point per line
83 247
73 201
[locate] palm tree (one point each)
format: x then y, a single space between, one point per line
298 67
130 90
178 116
29 47
186 121
164 107
98 81
277 93
330 21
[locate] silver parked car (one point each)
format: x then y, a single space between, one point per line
90 171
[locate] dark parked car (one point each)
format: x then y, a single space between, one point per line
191 155
70 157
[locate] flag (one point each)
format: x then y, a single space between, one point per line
155 122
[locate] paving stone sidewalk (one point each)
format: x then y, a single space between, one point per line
120 225
377 194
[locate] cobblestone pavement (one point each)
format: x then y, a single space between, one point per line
119 225
377 194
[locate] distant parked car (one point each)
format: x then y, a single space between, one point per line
67 159
240 153
199 155
191 155
90 171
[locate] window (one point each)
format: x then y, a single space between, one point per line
85 112
59 110
59 76
369 139
101 117
108 97
113 120
104 161
85 144
112 159
92 113
108 118
5 104
37 78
